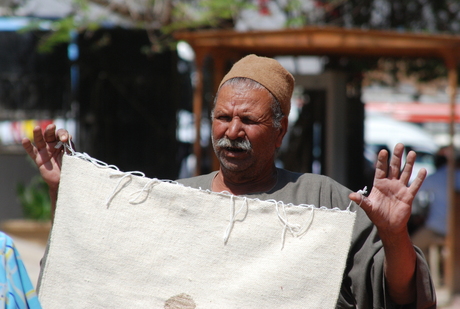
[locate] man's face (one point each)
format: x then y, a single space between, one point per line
243 135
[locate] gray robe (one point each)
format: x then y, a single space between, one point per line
363 284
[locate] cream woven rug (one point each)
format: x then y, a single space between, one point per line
126 241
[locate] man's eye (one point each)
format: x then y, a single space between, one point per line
224 118
248 121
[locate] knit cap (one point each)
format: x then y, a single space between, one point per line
269 73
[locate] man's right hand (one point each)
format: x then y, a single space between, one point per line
48 158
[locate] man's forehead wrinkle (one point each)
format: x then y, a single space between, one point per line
239 101
240 104
244 110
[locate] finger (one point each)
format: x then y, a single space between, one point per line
417 183
50 135
361 200
29 148
63 135
381 168
395 163
408 167
38 138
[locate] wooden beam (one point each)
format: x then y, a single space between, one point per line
326 41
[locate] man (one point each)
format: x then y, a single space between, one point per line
249 122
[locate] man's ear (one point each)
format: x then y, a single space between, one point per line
282 131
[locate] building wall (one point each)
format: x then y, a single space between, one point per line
14 168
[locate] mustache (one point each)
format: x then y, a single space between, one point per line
241 144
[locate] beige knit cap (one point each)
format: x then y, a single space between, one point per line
269 73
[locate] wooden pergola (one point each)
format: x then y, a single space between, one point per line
229 45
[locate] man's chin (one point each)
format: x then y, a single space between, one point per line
233 165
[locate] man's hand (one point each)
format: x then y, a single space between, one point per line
390 201
389 208
45 155
48 158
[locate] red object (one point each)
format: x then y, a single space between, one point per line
44 123
416 112
263 7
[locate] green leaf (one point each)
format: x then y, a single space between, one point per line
34 199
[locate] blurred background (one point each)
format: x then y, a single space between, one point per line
119 78
113 74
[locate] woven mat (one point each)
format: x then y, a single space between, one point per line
126 241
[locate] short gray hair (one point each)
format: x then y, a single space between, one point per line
249 84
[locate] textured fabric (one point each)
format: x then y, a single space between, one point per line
159 244
267 72
16 290
363 285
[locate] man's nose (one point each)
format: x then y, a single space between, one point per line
235 129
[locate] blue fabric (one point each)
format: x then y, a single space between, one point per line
435 185
16 289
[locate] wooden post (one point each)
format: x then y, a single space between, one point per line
198 108
219 73
452 269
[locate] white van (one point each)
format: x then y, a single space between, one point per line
383 132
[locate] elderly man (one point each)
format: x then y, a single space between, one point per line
250 119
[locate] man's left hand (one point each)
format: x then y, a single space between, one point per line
390 201
389 208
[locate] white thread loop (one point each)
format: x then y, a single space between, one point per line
146 189
362 192
120 186
296 230
233 216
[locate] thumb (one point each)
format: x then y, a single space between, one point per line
360 199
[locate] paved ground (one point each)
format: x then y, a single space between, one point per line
32 252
